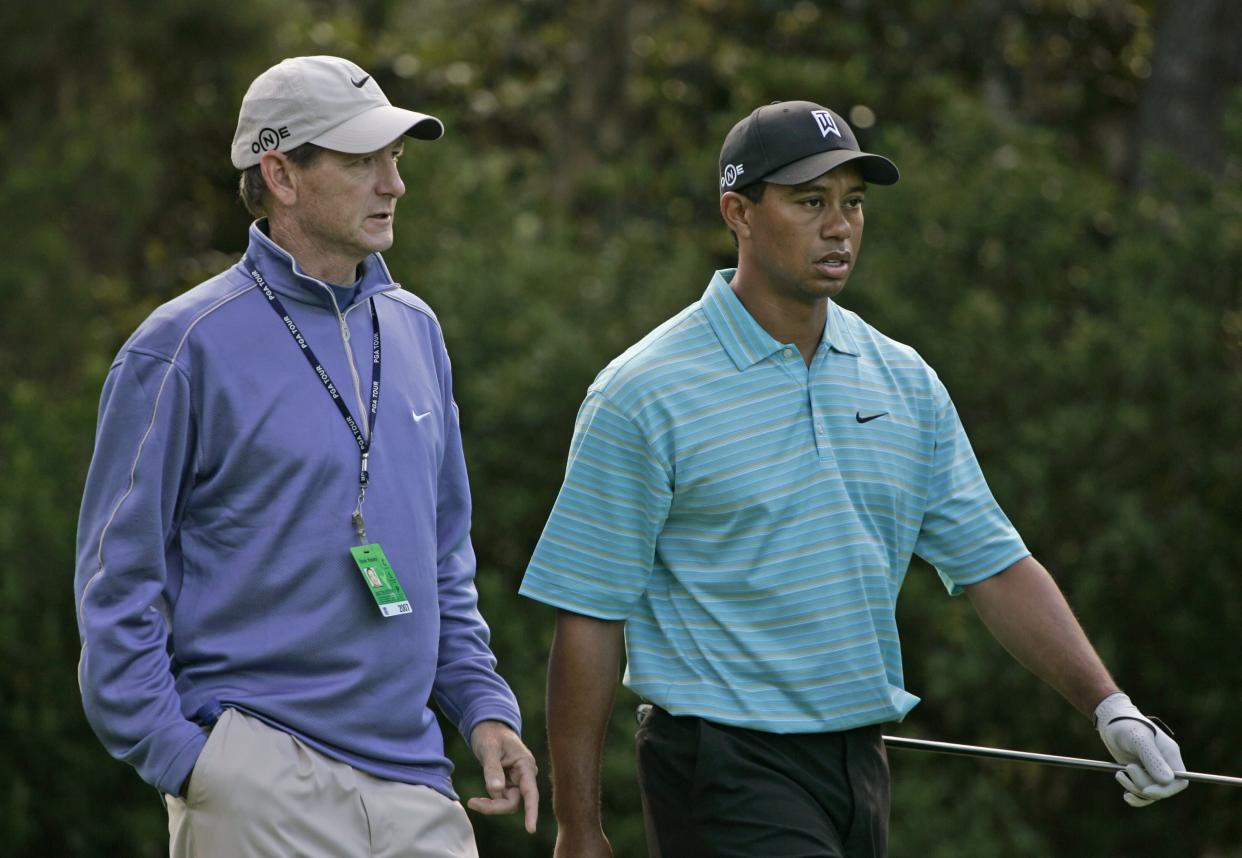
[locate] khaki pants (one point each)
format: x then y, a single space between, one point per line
258 792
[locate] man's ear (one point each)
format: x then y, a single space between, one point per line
281 177
736 211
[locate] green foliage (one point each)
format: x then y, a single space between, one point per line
1091 336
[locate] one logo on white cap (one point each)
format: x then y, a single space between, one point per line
269 138
827 125
731 174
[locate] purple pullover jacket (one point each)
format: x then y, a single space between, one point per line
213 564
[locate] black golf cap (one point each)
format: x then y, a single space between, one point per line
791 142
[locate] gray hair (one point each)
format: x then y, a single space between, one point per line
253 189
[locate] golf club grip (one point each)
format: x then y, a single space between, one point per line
1046 759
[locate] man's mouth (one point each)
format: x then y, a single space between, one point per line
834 264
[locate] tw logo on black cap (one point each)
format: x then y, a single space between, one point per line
827 125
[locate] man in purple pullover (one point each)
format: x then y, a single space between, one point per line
274 570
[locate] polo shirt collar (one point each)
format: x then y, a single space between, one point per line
745 340
837 335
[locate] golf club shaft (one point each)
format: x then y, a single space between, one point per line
1046 759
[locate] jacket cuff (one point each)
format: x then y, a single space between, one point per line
490 711
178 769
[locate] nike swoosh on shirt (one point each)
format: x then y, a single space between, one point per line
858 416
419 417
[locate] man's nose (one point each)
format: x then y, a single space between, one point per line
390 184
836 225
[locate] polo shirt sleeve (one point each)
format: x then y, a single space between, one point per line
597 548
964 533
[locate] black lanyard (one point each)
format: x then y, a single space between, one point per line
364 441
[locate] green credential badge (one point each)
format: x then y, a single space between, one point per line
381 580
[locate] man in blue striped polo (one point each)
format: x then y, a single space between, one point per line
746 486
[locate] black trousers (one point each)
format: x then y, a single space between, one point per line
714 791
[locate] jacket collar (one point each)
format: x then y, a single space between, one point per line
286 278
745 340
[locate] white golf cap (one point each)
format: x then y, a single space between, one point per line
327 101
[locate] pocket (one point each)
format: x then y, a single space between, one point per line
201 773
668 751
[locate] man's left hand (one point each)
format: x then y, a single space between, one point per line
508 771
1149 754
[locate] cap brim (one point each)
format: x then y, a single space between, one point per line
875 169
378 127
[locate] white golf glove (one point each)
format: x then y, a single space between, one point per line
1149 754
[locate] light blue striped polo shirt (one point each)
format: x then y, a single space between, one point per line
752 520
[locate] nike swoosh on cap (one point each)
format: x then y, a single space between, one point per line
360 83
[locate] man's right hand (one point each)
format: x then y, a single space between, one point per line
587 844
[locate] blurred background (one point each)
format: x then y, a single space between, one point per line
1065 247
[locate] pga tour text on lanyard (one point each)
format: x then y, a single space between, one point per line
363 441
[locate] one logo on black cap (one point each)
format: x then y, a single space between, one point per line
731 174
269 138
827 125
